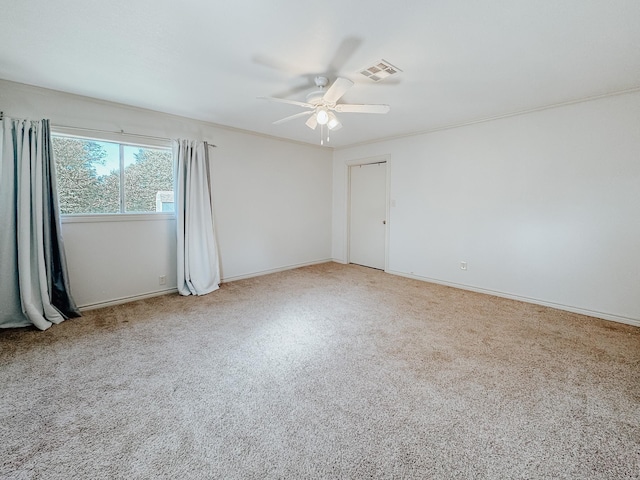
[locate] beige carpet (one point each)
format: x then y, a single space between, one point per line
328 371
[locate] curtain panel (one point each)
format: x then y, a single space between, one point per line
34 285
198 262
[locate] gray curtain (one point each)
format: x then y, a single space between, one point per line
198 263
34 286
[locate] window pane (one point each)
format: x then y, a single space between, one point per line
148 180
88 175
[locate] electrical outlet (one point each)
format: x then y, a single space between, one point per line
162 279
463 265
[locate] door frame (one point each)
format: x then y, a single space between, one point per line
386 159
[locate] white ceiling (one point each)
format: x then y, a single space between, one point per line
461 60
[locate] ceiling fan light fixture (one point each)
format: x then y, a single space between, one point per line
333 123
322 116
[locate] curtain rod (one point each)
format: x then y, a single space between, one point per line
121 132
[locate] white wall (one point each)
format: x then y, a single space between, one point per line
272 201
543 206
119 259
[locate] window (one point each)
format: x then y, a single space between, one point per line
97 176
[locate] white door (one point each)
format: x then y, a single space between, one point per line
368 214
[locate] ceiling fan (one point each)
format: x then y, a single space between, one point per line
323 103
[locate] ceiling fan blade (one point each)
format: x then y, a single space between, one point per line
291 117
348 108
276 64
290 102
337 90
294 90
312 123
345 51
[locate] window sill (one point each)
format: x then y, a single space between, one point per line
117 217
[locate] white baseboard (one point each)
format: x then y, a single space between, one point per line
119 301
133 298
273 270
591 313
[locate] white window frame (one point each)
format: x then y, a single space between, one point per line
121 139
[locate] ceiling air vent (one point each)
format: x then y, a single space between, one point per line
380 70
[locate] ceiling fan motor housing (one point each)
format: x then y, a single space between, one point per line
315 97
321 82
